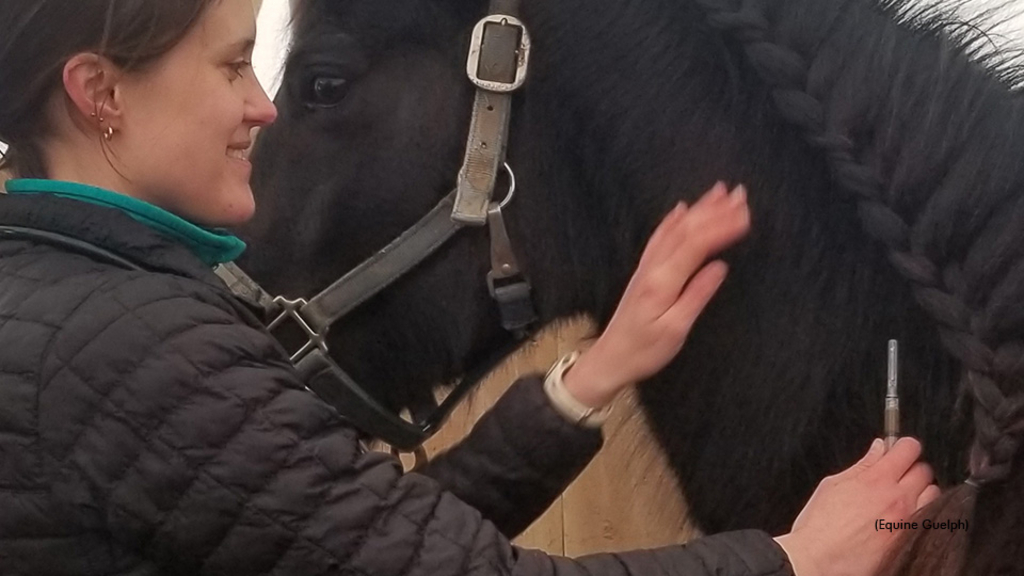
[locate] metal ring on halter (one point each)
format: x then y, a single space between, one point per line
511 186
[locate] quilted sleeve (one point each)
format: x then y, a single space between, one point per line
204 454
518 458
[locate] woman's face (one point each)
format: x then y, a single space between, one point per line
187 121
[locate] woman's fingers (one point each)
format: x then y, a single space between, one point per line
659 245
927 496
917 478
719 218
695 297
707 229
897 461
714 194
657 242
719 224
655 313
679 246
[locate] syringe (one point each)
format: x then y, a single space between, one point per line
892 400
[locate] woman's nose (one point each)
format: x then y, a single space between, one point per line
262 110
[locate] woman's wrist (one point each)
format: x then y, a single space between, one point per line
799 558
590 383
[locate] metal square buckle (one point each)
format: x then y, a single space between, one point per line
292 309
476 46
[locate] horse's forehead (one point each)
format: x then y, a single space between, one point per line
389 20
364 13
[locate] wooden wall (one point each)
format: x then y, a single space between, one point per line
625 499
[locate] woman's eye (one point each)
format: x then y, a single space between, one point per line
325 91
239 68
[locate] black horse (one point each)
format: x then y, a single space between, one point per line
881 146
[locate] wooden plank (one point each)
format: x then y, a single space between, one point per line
546 533
625 499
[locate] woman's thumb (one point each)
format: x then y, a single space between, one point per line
875 453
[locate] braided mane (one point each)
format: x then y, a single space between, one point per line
928 143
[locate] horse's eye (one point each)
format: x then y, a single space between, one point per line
326 91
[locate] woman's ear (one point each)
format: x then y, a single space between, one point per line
90 82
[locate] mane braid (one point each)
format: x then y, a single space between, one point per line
868 164
941 292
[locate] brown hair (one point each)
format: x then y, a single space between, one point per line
37 37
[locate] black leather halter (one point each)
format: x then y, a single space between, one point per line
497 65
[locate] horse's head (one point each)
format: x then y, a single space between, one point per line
374 109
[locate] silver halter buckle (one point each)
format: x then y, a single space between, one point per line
293 309
476 46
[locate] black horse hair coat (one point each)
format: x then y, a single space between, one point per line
881 144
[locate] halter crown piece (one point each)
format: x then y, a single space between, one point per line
497 66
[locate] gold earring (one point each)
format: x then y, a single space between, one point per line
108 133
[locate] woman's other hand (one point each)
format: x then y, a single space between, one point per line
671 286
842 530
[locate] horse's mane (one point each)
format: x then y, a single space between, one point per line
917 117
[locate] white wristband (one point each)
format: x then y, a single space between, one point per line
563 401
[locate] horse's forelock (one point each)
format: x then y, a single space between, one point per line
391 22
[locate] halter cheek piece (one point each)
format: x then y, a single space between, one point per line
497 65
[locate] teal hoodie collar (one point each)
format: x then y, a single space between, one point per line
212 246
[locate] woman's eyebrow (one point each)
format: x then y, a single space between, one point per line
243 45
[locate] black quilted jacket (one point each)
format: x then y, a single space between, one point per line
148 425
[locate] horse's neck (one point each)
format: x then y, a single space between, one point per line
637 104
631 107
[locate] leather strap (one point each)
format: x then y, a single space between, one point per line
499 61
332 384
506 282
383 268
244 286
484 154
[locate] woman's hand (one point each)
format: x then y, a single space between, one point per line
836 532
671 286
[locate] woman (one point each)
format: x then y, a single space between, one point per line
148 423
